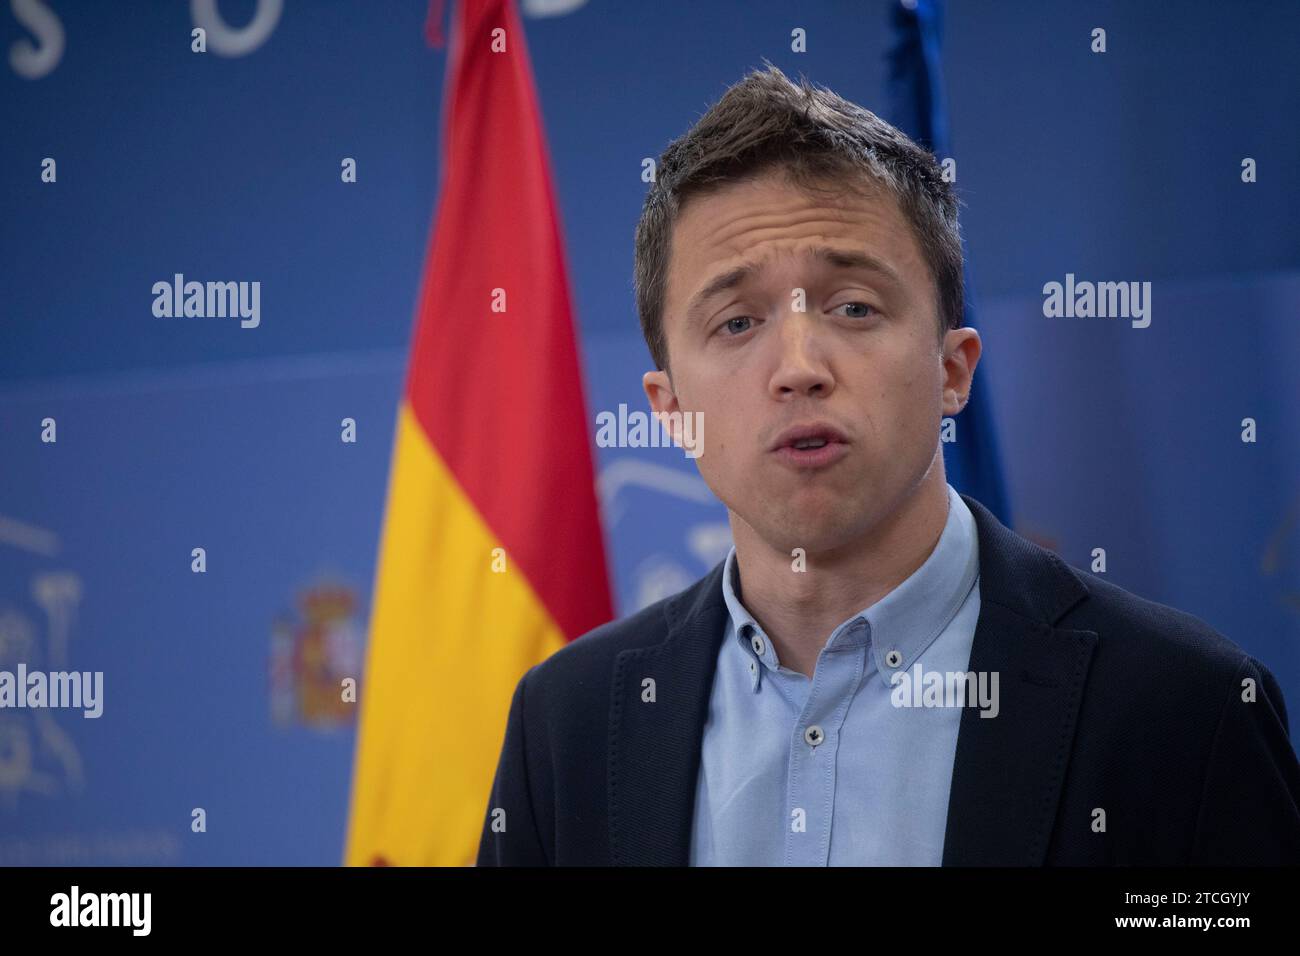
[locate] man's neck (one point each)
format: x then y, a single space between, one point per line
799 610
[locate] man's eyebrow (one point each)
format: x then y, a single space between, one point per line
852 259
836 258
727 280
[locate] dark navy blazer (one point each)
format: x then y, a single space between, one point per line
1108 701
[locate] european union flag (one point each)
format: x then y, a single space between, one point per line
916 106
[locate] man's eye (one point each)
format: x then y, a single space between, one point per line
861 305
731 327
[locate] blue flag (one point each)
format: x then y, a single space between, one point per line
916 105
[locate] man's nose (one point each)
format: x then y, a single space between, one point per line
802 367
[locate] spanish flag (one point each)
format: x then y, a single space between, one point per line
491 555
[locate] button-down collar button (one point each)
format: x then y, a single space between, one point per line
813 735
758 644
893 658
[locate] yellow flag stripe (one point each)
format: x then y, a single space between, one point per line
449 639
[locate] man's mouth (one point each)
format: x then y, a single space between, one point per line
814 445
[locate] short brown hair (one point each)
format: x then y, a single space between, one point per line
821 142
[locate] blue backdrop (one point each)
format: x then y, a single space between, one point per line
175 434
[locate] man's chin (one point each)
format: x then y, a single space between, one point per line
820 507
815 532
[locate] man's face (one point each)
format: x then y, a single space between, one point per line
862 358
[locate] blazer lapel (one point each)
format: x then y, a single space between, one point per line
654 745
1008 770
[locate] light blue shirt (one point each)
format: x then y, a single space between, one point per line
831 771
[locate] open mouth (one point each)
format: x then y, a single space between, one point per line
811 446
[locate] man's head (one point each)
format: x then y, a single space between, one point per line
848 316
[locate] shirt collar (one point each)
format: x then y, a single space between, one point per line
901 625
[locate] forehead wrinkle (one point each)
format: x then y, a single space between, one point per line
784 212
825 255
764 222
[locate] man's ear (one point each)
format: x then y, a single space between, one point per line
663 400
961 353
659 390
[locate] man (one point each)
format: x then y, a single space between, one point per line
799 280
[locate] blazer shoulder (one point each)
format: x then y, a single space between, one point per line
1134 630
589 660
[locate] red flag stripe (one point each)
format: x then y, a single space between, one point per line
500 394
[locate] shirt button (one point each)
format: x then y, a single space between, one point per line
758 644
813 735
753 667
893 658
